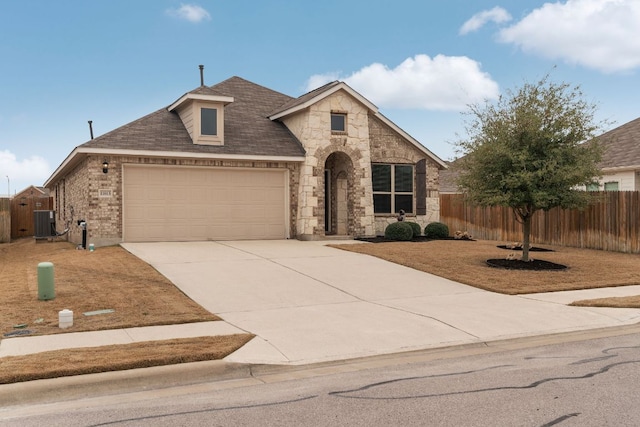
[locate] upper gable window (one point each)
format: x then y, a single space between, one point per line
338 122
202 116
208 126
209 121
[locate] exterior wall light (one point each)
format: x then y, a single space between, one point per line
105 167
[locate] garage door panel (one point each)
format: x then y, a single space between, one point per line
155 193
164 203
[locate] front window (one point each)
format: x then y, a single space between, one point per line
338 122
594 186
209 121
392 188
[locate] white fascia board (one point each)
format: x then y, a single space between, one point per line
69 160
80 152
621 168
323 95
411 139
194 96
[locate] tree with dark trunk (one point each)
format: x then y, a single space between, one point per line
533 149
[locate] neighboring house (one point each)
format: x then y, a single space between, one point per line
240 161
32 192
621 159
620 163
448 178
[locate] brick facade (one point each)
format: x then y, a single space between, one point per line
79 195
389 147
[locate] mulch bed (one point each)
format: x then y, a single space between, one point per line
519 248
532 265
382 239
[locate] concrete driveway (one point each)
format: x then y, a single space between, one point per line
306 302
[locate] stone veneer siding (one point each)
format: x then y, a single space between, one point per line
389 147
77 196
313 128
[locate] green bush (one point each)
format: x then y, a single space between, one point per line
399 231
436 230
415 227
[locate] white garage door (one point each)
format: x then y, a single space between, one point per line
164 203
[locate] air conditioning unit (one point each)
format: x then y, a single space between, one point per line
44 224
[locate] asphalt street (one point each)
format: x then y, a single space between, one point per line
578 383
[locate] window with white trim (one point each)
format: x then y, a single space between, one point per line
338 122
209 121
392 188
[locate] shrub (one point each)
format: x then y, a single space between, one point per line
398 231
436 230
415 227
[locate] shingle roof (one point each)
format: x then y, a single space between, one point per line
247 130
622 146
448 178
303 98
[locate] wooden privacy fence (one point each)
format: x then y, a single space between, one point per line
22 208
611 222
5 220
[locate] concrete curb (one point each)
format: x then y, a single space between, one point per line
219 371
132 380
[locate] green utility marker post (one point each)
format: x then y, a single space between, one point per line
46 288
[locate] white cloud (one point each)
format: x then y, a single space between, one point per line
446 83
599 34
33 170
190 12
477 21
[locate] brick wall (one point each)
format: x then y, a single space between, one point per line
88 193
389 147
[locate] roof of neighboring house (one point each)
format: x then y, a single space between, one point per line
448 179
29 191
247 129
622 146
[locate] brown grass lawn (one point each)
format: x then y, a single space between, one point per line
108 278
465 262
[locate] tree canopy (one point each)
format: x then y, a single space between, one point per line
531 150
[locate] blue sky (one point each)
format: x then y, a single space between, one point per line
422 63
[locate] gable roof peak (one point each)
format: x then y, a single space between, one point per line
318 94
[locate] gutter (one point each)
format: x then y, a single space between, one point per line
81 152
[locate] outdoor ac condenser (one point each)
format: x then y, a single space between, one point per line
44 224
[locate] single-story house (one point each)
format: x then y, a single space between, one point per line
240 161
32 191
621 159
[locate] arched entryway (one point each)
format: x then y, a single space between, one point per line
338 179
